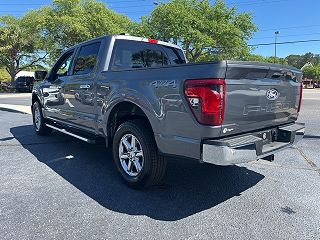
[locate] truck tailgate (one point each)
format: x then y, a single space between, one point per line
260 95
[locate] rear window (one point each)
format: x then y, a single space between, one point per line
175 55
134 54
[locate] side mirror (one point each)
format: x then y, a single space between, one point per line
40 75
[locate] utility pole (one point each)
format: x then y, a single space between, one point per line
275 45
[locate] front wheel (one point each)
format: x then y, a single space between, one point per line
136 155
38 120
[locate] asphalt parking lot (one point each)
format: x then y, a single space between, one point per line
57 187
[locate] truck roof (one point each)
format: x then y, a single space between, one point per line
142 39
130 38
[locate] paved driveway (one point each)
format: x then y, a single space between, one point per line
57 187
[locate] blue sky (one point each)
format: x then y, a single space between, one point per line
295 19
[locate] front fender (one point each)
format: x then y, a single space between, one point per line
37 92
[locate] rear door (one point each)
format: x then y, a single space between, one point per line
260 96
79 90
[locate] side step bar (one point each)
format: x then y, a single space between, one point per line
88 140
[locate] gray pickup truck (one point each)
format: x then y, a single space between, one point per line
147 102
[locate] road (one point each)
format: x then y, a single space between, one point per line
15 98
57 187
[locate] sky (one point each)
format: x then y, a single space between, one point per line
296 20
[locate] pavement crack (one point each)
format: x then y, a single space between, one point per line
308 160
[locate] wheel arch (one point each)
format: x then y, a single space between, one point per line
121 112
35 98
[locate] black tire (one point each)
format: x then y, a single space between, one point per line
40 128
154 165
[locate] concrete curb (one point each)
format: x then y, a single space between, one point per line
15 108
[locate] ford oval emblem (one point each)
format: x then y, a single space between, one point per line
272 94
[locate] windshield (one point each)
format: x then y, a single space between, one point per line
24 79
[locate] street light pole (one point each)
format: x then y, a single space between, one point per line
275 46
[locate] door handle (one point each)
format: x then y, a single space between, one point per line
105 87
85 86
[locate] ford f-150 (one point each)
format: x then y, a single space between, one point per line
147 102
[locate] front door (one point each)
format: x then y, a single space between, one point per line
53 87
79 89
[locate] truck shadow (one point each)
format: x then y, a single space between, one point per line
189 187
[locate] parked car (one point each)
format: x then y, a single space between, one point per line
24 84
7 86
142 97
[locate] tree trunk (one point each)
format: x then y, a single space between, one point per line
12 72
12 77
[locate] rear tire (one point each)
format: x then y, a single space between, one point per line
134 142
39 121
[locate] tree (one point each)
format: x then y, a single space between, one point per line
255 57
204 31
19 48
4 75
299 61
276 60
259 58
68 22
295 60
311 72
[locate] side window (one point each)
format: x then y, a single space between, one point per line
133 54
86 60
62 67
65 65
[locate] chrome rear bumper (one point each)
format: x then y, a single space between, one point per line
250 147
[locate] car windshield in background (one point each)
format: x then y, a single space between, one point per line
24 79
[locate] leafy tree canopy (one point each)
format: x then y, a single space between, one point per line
68 22
4 75
260 58
299 61
311 72
205 31
44 33
19 48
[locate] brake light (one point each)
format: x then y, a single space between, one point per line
206 98
300 99
152 41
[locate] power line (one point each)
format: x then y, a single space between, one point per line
282 43
128 1
40 4
135 6
255 2
290 27
291 35
151 3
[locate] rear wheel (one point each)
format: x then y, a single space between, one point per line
136 155
38 120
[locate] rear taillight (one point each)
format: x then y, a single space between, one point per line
300 98
206 98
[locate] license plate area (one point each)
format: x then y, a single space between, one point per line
267 136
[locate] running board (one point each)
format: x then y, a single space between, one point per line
88 140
